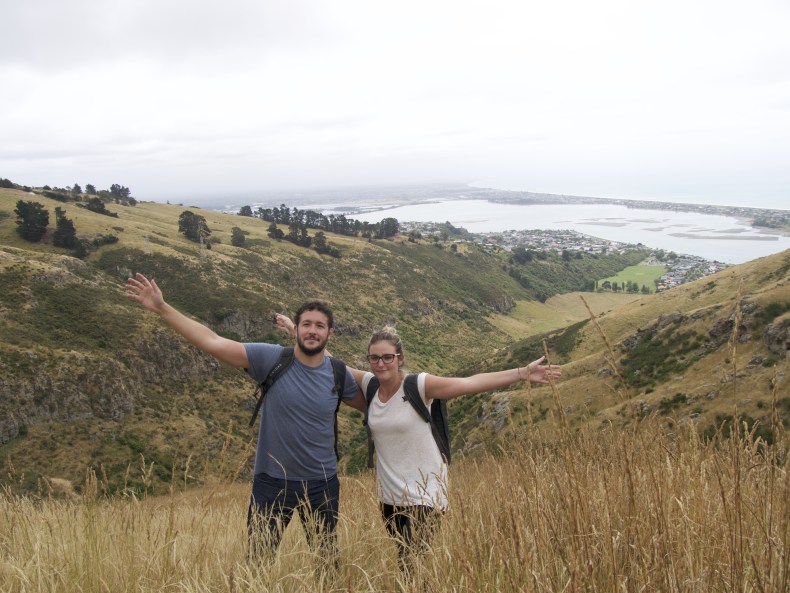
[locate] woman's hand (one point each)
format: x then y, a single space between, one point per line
284 324
542 373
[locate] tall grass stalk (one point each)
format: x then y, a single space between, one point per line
735 336
610 357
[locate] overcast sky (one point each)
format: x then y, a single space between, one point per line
680 100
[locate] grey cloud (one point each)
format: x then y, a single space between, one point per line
55 34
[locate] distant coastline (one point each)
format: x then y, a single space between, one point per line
768 218
372 199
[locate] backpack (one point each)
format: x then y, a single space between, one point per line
437 415
286 358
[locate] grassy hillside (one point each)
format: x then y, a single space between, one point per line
91 380
702 353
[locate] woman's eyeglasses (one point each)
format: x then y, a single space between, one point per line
387 358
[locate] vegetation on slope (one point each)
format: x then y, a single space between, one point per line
89 379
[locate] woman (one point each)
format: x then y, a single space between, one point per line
410 470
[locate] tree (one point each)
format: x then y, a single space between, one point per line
76 189
521 254
82 248
283 214
193 226
119 191
32 220
274 232
90 189
389 228
65 234
319 242
322 246
237 238
298 234
97 206
245 211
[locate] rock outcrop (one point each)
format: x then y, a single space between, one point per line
41 386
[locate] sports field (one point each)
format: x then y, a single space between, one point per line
641 275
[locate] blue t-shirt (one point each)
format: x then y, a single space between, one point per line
296 435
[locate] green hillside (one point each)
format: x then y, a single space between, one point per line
88 379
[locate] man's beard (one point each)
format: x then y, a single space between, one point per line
310 351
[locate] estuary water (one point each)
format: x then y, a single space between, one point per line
719 238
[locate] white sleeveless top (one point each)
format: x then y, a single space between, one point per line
409 467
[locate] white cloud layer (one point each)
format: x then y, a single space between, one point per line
672 100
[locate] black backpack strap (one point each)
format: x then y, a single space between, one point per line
370 393
441 427
286 357
414 398
437 416
339 371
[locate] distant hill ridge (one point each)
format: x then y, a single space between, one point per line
89 379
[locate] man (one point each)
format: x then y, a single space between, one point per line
295 462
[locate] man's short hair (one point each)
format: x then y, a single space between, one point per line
315 306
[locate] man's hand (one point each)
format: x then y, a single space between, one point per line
145 292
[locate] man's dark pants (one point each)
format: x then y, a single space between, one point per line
272 506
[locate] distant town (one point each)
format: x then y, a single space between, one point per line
681 268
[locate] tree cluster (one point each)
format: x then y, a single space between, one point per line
117 194
298 221
33 220
33 217
628 286
333 223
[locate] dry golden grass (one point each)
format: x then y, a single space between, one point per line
148 226
636 510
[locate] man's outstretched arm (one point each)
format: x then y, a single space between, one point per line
147 293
